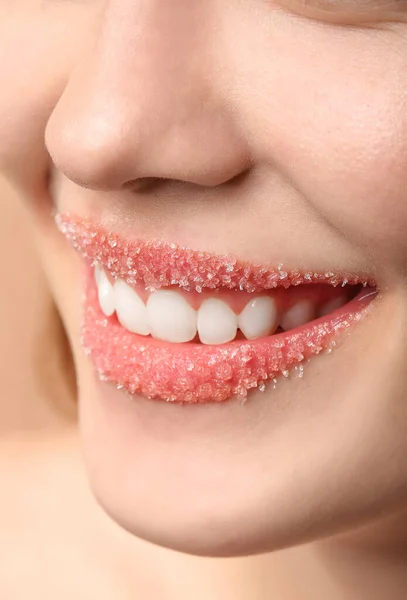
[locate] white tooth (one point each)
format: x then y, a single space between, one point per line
297 315
171 317
331 306
130 309
97 272
258 318
217 323
106 294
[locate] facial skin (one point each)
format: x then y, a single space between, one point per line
278 132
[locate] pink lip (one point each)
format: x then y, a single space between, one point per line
196 373
161 264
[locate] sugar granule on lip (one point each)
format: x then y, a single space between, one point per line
157 264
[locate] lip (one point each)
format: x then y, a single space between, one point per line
157 264
196 373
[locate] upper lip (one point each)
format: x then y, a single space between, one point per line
157 264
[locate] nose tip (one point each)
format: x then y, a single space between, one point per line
136 108
87 149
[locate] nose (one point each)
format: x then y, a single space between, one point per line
149 100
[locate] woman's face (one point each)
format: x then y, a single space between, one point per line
272 131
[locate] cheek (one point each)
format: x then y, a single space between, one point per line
331 115
355 168
38 46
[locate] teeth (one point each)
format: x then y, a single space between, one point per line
105 293
297 315
131 310
217 323
258 318
168 315
329 307
98 271
171 317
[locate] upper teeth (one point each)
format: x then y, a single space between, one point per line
258 317
217 323
105 293
131 310
168 316
297 315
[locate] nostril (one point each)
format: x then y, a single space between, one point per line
239 178
145 184
142 184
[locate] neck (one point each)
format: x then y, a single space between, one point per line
369 563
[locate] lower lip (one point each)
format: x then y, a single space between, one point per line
196 373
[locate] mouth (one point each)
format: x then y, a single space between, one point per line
178 325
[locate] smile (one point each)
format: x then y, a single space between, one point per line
184 326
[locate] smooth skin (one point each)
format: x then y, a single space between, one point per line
269 129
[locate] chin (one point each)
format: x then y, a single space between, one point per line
241 477
217 441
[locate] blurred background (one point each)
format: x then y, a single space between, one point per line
27 320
